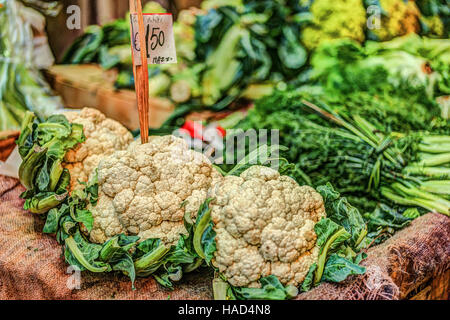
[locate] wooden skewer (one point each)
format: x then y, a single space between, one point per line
141 72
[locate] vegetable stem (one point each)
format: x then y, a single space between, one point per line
436 186
151 257
199 230
412 191
220 288
323 256
434 148
193 266
418 202
436 139
435 160
434 172
72 245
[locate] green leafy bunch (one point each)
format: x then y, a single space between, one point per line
42 147
341 236
393 168
406 169
410 65
244 45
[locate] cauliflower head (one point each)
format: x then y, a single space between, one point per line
146 190
103 137
265 226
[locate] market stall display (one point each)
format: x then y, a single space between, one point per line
36 270
242 55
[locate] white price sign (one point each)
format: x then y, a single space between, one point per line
159 38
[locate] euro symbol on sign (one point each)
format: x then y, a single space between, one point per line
136 42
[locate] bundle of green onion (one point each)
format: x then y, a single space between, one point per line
409 170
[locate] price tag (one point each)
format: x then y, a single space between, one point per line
159 38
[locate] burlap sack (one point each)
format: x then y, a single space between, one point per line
31 265
398 266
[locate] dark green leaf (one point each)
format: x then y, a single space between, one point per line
82 253
43 178
84 217
308 283
53 216
340 211
209 243
337 269
126 265
291 52
271 289
325 229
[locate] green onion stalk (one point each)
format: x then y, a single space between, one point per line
410 170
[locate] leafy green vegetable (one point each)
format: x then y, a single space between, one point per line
43 147
204 235
339 236
367 161
72 222
409 65
340 211
271 289
85 48
308 283
338 268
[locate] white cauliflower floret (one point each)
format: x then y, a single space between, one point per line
142 189
265 226
103 137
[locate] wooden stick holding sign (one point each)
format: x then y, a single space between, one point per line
149 32
140 71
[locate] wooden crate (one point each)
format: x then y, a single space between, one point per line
89 86
7 143
437 288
